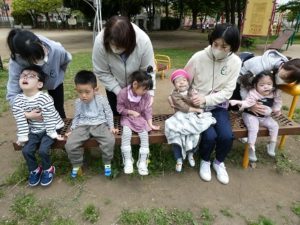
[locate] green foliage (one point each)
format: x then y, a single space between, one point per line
91 214
226 212
19 175
284 164
169 23
4 106
22 18
206 217
27 210
39 6
261 221
179 57
157 216
247 42
296 208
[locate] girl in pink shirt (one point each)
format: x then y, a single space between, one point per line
264 92
134 105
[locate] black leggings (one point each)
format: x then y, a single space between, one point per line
58 97
112 99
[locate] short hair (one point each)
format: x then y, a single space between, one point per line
120 31
143 79
40 73
86 77
26 44
229 33
293 67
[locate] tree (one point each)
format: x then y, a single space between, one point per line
293 7
36 7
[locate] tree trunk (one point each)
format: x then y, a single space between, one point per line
181 19
194 20
167 9
239 14
227 11
232 11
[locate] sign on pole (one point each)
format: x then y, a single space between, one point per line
258 17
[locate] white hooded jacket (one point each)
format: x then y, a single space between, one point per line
215 79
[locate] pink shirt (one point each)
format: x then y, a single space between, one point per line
137 124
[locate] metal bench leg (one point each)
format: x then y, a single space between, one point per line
246 157
290 116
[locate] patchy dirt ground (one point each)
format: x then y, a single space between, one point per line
250 193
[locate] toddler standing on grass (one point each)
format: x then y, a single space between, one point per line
31 132
93 118
133 103
263 91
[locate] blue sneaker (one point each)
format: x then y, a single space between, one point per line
76 171
47 176
107 170
35 177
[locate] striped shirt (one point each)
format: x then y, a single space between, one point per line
43 102
95 112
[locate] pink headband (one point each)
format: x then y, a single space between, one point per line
180 73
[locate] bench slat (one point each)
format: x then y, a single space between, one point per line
286 127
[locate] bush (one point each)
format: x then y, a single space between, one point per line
22 18
169 23
247 42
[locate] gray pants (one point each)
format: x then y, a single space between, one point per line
79 135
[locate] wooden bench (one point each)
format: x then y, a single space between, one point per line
281 40
286 127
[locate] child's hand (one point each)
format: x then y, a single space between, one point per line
60 137
114 130
34 115
277 113
154 127
199 110
134 113
20 143
67 134
171 102
234 102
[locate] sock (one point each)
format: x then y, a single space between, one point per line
272 146
50 168
75 169
36 170
107 166
191 155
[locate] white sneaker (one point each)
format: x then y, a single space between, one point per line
191 160
270 151
205 172
251 154
142 168
222 174
128 166
178 167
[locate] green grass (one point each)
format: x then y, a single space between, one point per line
26 209
296 208
157 216
91 214
261 221
226 212
178 57
206 217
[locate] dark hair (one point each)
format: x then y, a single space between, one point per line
26 44
229 33
293 67
143 79
40 73
119 30
86 77
261 75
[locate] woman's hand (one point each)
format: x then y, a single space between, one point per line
261 109
154 127
198 100
34 115
60 137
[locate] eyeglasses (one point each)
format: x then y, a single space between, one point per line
29 75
